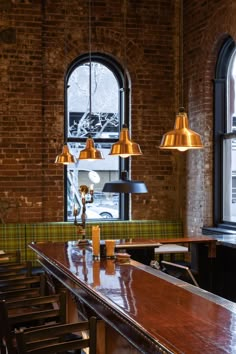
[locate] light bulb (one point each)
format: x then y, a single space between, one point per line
182 148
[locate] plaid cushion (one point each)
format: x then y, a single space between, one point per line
12 237
18 236
138 229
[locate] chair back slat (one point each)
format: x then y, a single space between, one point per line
55 339
9 257
21 288
16 268
20 282
30 312
61 347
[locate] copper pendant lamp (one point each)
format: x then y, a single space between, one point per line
125 147
90 152
65 157
182 137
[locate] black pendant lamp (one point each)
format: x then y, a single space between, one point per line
124 185
125 147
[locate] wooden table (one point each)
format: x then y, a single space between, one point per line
144 310
203 254
152 244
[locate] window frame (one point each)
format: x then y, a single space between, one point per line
124 104
219 131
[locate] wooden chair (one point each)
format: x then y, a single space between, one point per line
16 282
58 338
33 312
14 287
9 257
23 268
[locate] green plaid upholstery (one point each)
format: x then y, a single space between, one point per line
151 229
18 236
12 237
48 232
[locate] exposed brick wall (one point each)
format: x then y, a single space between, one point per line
206 23
38 39
33 60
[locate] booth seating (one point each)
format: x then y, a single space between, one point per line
18 236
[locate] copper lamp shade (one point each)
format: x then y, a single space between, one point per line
90 152
181 138
125 147
65 157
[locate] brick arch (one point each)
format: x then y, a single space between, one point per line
110 42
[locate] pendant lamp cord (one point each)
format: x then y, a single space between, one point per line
124 49
181 29
90 67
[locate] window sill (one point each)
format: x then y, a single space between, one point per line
219 230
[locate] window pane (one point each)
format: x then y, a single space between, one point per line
102 123
229 148
229 180
231 104
105 205
104 120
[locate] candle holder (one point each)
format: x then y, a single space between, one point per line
86 194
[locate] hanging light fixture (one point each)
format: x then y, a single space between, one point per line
125 147
65 157
182 137
90 152
124 185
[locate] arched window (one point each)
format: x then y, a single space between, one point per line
225 137
103 125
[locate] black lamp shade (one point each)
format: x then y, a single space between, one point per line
124 185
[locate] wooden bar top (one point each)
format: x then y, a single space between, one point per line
157 313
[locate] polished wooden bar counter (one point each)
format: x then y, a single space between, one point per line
153 312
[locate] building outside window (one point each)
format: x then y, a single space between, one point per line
103 125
